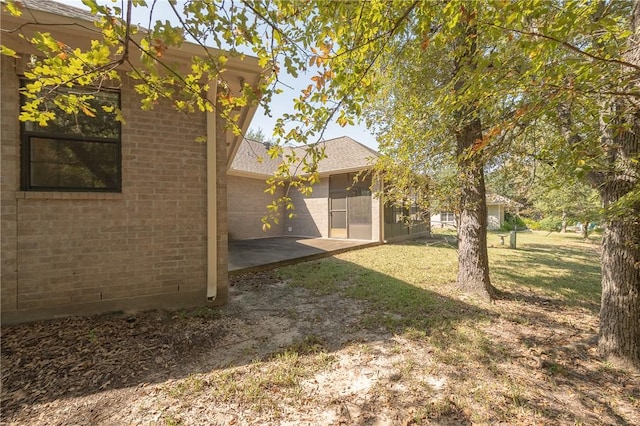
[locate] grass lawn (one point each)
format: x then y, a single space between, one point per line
411 284
373 336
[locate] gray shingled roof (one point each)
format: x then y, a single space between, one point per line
252 158
342 153
59 9
345 154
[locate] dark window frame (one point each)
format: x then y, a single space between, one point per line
26 147
450 217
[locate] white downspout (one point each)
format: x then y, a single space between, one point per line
212 207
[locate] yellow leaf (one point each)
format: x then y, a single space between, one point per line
14 8
4 50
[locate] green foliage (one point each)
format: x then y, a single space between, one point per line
256 135
512 222
567 199
532 224
408 68
551 224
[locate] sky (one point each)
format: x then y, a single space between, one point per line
280 104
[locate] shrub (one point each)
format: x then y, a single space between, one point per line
532 224
507 225
551 223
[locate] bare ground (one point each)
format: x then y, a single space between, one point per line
281 355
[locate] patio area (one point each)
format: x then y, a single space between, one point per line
268 253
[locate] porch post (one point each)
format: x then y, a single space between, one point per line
212 227
217 228
222 234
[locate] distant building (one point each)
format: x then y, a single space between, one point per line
497 205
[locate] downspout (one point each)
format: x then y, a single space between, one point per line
212 205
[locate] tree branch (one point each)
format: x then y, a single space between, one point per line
565 44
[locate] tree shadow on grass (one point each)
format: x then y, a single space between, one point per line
568 272
436 240
81 356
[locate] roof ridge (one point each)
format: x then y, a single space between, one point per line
373 151
343 154
60 9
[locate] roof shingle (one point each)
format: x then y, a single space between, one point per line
61 9
343 154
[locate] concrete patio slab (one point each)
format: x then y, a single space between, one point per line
268 253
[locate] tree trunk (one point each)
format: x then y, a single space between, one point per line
585 230
563 227
619 338
620 306
473 258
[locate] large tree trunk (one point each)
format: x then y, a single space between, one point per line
473 258
620 308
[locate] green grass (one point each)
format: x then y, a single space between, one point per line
398 280
559 266
414 278
411 285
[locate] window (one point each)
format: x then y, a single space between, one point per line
74 152
416 214
395 214
447 217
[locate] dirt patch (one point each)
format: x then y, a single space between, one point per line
281 355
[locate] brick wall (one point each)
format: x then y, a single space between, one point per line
247 204
9 183
312 213
68 253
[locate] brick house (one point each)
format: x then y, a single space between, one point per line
337 207
129 216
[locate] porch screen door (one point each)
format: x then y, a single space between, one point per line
338 206
359 208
